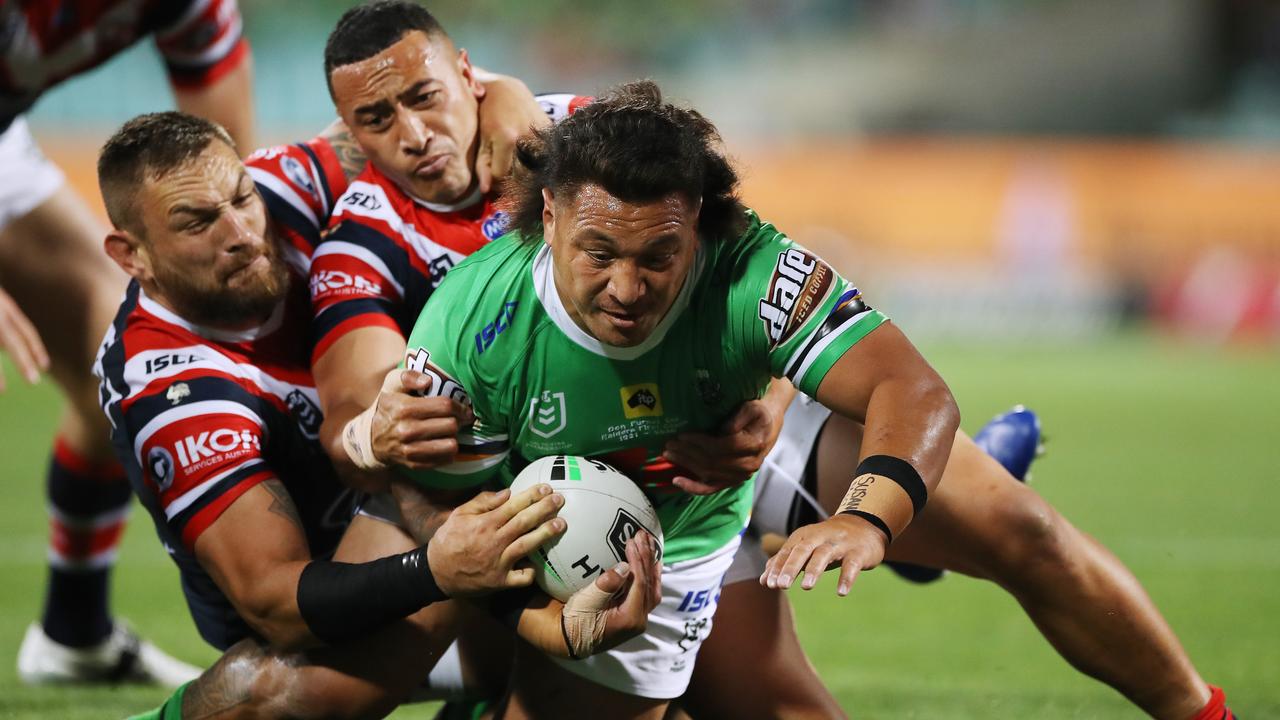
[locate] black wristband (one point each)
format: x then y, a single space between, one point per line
339 601
874 520
901 472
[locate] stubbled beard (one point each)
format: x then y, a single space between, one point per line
212 303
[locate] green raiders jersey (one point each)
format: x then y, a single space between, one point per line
496 334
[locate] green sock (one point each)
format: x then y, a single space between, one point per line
170 710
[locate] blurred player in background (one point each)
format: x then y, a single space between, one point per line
51 264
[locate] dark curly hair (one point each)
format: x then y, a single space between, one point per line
638 148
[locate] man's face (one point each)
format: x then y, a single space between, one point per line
414 108
619 265
205 249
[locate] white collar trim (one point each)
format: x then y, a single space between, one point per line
463 204
544 285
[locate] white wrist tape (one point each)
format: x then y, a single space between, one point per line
357 440
583 620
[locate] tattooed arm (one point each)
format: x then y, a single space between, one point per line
255 551
350 156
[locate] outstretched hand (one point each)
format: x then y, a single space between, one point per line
18 337
846 541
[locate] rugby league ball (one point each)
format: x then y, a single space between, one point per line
603 509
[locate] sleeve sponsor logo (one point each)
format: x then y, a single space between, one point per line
440 265
296 173
305 413
485 337
442 385
643 400
799 284
156 364
336 283
160 465
203 450
495 225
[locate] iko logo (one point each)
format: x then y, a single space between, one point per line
200 450
799 284
485 337
160 463
367 201
495 225
298 174
177 392
156 364
547 415
325 282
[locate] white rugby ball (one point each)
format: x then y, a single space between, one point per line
603 509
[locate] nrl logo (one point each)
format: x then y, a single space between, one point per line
177 392
547 414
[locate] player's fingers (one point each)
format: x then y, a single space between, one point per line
414 382
504 151
414 430
13 341
486 502
795 563
519 501
748 414
694 486
425 454
520 577
773 568
614 579
31 340
848 573
532 540
818 562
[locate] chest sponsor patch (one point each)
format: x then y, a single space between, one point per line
800 284
641 400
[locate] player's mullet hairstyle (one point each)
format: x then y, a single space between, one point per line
639 149
366 30
149 147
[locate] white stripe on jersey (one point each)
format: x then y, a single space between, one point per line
424 247
287 193
184 500
807 361
361 253
106 388
195 409
137 378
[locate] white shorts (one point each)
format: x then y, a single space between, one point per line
659 663
780 486
27 178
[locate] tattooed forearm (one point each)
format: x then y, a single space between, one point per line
350 156
421 517
282 503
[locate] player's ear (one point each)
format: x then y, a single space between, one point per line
468 73
548 215
127 251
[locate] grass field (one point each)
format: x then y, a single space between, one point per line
1169 454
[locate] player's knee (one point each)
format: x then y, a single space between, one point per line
1033 539
319 694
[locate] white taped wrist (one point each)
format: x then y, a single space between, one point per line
583 621
357 440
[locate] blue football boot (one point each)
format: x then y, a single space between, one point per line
1014 440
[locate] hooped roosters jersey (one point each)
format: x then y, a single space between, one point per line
43 42
496 334
201 416
385 251
299 184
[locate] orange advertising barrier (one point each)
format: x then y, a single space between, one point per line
970 199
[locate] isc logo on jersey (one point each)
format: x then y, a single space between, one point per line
330 283
442 385
800 284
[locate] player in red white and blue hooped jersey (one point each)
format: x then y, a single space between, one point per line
46 42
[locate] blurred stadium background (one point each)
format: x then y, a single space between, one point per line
1069 204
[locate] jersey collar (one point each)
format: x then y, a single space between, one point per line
544 284
442 208
273 322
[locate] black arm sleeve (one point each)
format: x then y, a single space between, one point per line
340 601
